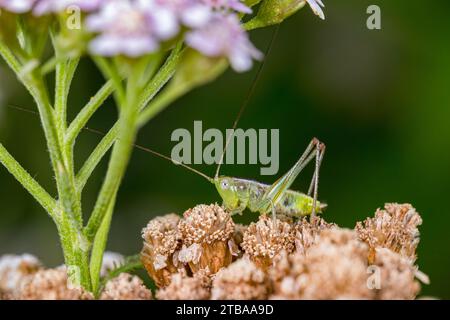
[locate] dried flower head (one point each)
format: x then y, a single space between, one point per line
242 280
50 284
207 238
6 296
183 287
13 269
159 253
307 232
237 239
126 287
265 239
334 268
396 276
395 228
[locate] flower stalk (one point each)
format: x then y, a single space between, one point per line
128 40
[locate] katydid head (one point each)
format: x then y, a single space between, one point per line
227 189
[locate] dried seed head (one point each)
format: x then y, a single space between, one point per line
266 238
162 239
126 287
13 269
50 284
162 234
307 232
183 287
394 228
206 224
6 296
334 268
238 234
397 276
241 280
207 238
111 260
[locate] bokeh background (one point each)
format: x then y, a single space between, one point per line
379 99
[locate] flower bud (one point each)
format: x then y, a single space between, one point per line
273 12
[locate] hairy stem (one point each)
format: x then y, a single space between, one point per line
119 158
27 181
99 247
161 78
87 112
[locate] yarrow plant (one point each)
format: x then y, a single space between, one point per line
150 52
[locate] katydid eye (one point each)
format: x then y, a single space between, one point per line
225 184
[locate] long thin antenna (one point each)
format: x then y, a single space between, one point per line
247 98
241 111
137 146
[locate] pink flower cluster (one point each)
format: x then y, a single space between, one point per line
137 27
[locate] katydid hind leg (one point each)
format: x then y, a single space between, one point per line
314 186
276 190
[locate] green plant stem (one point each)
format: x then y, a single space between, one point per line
87 112
69 229
27 181
161 78
109 72
163 100
99 247
65 71
49 66
119 158
96 156
9 58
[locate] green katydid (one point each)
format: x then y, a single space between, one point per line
240 194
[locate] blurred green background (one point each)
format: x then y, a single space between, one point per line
379 99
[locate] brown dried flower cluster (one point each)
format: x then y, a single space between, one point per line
13 270
304 259
242 280
126 287
205 255
50 284
175 248
334 268
28 280
162 241
266 238
307 232
397 276
207 238
395 228
183 287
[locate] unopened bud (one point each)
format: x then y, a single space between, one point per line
273 12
